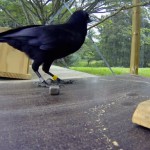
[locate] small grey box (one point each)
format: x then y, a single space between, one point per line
54 90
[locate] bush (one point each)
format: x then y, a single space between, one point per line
84 63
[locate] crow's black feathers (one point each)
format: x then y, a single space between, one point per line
45 43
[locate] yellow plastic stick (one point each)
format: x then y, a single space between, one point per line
55 77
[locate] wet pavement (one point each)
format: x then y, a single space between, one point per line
91 114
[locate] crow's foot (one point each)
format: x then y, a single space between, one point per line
42 84
59 81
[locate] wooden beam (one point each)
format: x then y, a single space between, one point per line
135 45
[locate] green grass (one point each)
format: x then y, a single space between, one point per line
93 63
104 71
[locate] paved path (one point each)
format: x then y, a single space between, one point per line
91 114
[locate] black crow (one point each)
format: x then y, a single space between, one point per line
45 43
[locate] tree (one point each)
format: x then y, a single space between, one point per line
145 39
114 27
115 39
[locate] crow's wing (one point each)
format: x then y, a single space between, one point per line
49 37
57 37
45 37
19 37
21 31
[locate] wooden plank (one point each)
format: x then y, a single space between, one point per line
15 75
135 46
141 115
13 62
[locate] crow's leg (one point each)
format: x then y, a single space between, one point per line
35 67
45 68
55 79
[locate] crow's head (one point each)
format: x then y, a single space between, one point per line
80 16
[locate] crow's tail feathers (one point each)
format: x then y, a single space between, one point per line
3 34
2 40
14 43
12 31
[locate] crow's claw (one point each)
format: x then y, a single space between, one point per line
59 81
49 81
42 84
65 81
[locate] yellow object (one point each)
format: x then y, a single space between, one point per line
55 77
141 115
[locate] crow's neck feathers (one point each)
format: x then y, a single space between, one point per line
78 21
78 27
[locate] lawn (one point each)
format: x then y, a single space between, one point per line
104 71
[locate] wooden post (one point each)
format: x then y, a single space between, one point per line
135 45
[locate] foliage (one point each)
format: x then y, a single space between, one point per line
115 39
112 36
145 39
93 63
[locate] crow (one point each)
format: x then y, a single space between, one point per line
46 43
